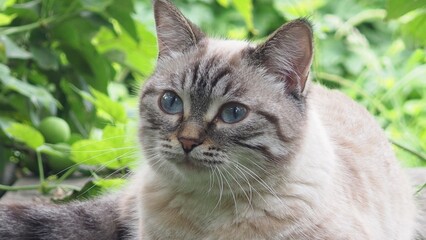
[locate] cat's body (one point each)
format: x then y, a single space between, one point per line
336 196
240 147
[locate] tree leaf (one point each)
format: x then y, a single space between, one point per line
13 50
37 95
108 107
45 58
297 9
140 57
223 3
6 19
411 29
5 122
27 10
89 190
245 8
26 134
92 66
114 150
96 5
110 183
397 8
88 26
120 10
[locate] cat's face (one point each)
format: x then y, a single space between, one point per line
225 106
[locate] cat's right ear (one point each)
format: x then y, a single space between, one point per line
287 53
175 33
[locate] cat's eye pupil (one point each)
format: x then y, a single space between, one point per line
171 103
233 113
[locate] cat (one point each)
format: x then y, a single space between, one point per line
240 144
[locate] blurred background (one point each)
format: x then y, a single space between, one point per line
71 70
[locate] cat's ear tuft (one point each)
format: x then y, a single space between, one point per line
175 33
288 54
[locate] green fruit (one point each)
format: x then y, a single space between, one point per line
55 130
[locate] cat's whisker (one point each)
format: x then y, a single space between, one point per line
105 165
211 180
260 181
230 189
241 174
236 181
106 177
248 182
103 150
88 159
220 181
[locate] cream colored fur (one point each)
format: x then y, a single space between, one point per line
330 191
317 165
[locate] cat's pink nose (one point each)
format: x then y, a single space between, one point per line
188 144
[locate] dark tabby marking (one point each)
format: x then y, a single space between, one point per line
89 220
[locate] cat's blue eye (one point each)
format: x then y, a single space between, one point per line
171 103
233 112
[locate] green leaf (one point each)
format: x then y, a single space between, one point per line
223 3
88 26
411 28
45 58
121 11
110 183
139 57
89 190
5 122
37 95
6 19
245 8
13 50
115 150
26 134
91 66
107 106
397 8
96 5
28 10
297 9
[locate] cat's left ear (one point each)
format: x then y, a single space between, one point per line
288 54
175 33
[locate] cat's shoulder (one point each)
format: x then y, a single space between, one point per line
348 123
336 106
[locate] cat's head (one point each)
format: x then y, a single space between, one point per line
221 105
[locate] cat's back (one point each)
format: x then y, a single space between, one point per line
369 174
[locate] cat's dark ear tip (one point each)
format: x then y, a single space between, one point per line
161 3
301 22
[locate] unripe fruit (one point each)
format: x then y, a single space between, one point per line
55 130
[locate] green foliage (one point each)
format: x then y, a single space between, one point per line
25 134
84 60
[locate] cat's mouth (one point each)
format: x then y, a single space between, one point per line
191 163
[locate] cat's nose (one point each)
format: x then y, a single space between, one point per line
189 143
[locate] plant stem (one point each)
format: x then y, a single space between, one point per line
23 28
417 154
421 189
70 171
18 188
43 187
36 187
